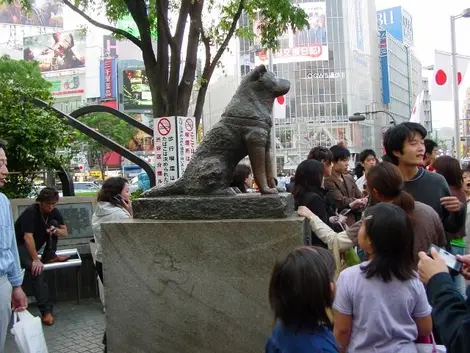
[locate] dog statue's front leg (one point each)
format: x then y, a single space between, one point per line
270 172
258 158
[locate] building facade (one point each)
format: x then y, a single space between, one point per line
427 111
334 72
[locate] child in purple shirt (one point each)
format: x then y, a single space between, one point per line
381 306
300 292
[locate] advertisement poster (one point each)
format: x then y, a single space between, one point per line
56 51
307 45
108 75
67 86
136 91
44 13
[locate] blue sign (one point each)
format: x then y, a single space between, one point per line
108 77
398 23
384 67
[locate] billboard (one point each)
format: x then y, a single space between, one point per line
56 51
110 46
108 79
136 91
67 86
306 45
44 13
384 67
398 23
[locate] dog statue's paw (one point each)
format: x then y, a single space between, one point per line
269 191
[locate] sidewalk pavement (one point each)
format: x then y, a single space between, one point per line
77 328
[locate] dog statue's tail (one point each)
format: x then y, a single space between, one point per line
176 188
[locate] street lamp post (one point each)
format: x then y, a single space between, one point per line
455 85
362 116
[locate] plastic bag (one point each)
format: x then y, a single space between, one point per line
430 347
28 333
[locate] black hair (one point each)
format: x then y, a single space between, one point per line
390 232
242 171
340 153
395 137
387 180
308 177
48 194
430 145
300 290
365 154
449 168
321 154
110 189
387 159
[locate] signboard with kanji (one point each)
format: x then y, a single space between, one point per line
166 154
186 142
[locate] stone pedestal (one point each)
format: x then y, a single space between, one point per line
192 286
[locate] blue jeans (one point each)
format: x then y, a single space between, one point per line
459 280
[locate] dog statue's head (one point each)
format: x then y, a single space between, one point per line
261 78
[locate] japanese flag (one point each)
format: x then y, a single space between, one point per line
417 114
279 108
442 83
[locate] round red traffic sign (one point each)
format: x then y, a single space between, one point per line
164 126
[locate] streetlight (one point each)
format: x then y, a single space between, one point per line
455 85
362 116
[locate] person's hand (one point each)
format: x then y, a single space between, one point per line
37 267
429 267
333 219
303 211
53 230
451 203
342 219
465 271
127 204
358 203
19 301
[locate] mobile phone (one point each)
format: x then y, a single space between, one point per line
118 198
451 261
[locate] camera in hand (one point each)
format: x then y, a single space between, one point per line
451 261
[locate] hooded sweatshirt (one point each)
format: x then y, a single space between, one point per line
105 212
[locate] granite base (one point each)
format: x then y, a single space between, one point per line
240 206
192 286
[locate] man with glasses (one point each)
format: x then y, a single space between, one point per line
41 224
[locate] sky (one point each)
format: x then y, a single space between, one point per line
431 27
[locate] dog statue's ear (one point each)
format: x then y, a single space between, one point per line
258 71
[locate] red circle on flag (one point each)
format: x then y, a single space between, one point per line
459 77
280 100
441 77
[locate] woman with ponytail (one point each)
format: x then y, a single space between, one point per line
385 184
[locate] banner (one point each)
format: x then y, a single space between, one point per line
67 86
136 91
441 89
307 45
56 51
108 75
386 97
44 13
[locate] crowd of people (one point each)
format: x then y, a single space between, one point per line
403 217
383 270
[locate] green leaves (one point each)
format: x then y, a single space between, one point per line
34 135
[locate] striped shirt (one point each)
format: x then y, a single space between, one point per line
9 258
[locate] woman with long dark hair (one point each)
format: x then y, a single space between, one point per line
309 192
450 169
242 178
385 184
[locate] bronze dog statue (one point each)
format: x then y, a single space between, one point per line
245 129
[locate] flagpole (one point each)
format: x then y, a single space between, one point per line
455 88
273 128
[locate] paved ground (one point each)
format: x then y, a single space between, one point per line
77 328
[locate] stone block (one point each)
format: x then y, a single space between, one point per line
240 206
192 286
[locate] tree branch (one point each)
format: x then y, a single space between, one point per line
115 30
163 21
229 36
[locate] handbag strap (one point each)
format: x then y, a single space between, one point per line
434 347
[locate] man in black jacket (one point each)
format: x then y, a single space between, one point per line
451 313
